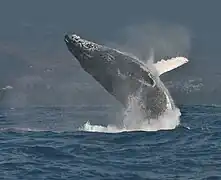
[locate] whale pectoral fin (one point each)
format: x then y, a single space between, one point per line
164 66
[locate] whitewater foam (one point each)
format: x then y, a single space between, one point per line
133 121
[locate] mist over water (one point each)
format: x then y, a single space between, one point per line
167 40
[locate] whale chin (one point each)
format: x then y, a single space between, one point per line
66 37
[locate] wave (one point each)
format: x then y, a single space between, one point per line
17 129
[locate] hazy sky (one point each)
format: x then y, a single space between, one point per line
35 61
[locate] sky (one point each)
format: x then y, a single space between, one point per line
34 59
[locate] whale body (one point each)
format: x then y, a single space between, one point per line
123 75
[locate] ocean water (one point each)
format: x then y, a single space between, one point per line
45 143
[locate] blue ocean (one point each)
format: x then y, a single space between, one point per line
46 143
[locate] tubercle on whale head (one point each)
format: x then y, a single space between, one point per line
79 46
77 41
71 38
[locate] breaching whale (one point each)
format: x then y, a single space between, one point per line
124 75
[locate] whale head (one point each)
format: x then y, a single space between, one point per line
80 48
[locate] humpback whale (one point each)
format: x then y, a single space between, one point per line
123 75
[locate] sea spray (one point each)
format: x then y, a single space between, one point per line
135 121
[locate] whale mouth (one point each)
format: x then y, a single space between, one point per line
70 44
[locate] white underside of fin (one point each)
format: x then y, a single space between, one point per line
164 66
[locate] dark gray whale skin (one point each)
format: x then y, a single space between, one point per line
120 74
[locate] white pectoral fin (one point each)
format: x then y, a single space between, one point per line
164 66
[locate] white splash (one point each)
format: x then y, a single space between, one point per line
134 121
7 87
98 128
